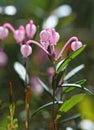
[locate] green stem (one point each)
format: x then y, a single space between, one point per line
11 107
53 112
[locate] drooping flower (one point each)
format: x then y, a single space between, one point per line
3 32
76 45
48 37
54 38
25 50
3 58
30 29
50 73
45 38
36 86
19 34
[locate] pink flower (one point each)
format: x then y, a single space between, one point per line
3 32
35 86
45 38
76 45
25 50
30 29
50 73
19 34
3 58
49 37
54 37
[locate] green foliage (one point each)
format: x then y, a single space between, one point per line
86 107
68 104
73 72
45 106
5 124
70 58
74 86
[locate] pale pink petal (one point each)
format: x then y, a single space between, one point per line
36 86
76 45
19 34
3 32
30 30
3 58
44 36
26 50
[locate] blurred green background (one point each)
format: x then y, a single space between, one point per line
76 18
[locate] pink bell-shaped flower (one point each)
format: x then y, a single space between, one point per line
19 34
3 32
36 87
3 58
30 29
76 45
54 37
45 38
49 37
25 50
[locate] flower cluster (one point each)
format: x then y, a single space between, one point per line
48 39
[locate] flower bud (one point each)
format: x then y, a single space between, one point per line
3 32
19 34
30 29
76 45
26 50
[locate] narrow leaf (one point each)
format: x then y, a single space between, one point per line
73 72
70 58
68 104
71 118
45 106
59 75
68 89
20 70
46 88
73 86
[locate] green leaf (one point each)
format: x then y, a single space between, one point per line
73 86
68 104
73 72
46 88
45 106
81 82
70 118
60 75
70 58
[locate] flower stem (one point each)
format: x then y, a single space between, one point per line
11 107
8 25
68 42
38 44
54 127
